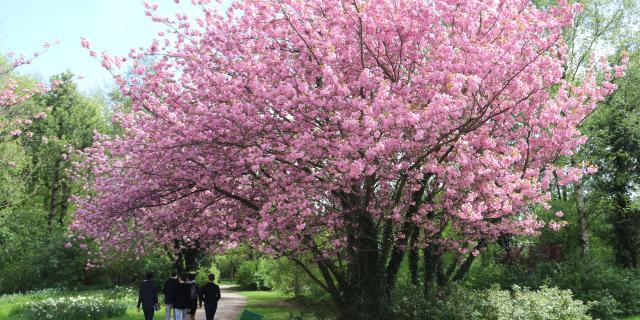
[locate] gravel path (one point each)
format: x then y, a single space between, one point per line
229 307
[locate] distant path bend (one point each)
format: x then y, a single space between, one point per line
229 307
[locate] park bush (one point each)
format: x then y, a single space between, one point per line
459 303
254 275
615 291
71 308
206 268
524 304
31 295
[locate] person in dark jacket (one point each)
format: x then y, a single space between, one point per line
169 291
210 295
194 294
148 296
182 298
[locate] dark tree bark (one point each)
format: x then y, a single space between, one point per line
414 259
64 203
582 218
53 201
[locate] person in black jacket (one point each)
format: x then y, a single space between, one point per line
169 291
182 298
210 294
194 294
148 296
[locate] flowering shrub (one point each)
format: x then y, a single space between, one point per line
545 303
127 294
492 304
71 308
32 295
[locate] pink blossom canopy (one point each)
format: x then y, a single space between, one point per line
281 121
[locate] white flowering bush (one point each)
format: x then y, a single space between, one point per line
33 295
545 303
459 303
71 308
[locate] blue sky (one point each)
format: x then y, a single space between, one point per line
112 25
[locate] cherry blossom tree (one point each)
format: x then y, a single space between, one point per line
14 92
353 134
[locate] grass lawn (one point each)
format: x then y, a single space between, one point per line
276 305
133 314
4 311
273 305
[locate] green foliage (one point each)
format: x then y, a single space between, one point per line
35 192
37 259
614 290
524 304
204 271
254 275
228 264
287 277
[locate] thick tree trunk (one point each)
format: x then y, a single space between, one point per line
582 218
368 296
369 300
360 290
413 259
431 261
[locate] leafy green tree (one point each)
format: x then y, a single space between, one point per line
36 187
614 145
70 126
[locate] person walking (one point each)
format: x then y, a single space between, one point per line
148 296
194 294
210 295
182 298
169 290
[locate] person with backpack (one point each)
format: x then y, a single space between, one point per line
210 295
194 294
182 299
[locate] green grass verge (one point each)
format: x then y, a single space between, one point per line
276 305
273 305
133 314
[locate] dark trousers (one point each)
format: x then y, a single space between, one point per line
148 313
210 310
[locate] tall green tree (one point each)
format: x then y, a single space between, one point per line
73 119
614 145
